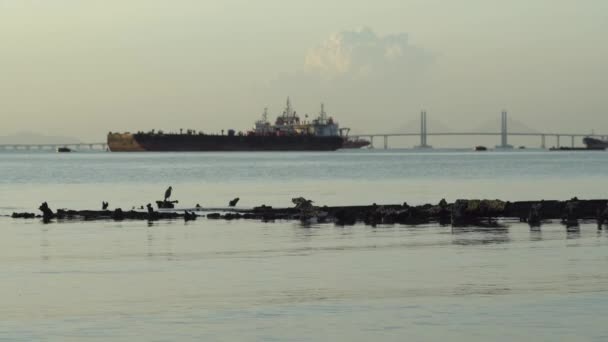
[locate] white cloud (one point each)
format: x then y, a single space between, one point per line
362 53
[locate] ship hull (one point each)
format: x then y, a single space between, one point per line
125 142
593 143
355 144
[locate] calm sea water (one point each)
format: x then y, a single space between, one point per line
234 281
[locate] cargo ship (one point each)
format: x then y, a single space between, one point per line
595 144
288 133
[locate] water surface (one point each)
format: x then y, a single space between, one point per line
243 280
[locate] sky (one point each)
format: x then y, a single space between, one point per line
83 68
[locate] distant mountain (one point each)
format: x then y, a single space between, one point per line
35 138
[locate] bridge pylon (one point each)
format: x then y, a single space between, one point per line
543 145
423 131
504 132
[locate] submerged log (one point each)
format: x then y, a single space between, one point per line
462 212
166 204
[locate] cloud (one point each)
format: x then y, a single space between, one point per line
364 54
358 74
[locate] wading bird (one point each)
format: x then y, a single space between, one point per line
168 193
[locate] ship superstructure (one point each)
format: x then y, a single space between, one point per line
289 123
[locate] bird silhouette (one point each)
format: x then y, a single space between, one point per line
233 202
168 193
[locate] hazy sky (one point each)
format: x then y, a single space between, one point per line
83 68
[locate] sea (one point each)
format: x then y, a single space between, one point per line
213 280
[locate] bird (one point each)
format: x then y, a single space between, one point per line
233 202
168 193
104 205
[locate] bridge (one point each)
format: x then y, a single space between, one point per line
504 134
423 134
101 146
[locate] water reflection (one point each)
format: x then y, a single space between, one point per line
573 232
165 249
150 243
481 289
305 231
307 224
536 234
44 244
168 243
466 236
345 230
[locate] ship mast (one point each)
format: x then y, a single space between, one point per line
288 109
322 114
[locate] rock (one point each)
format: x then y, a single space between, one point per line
602 217
345 217
118 215
458 213
571 213
47 213
23 215
189 216
535 215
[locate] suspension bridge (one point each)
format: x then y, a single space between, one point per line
503 134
